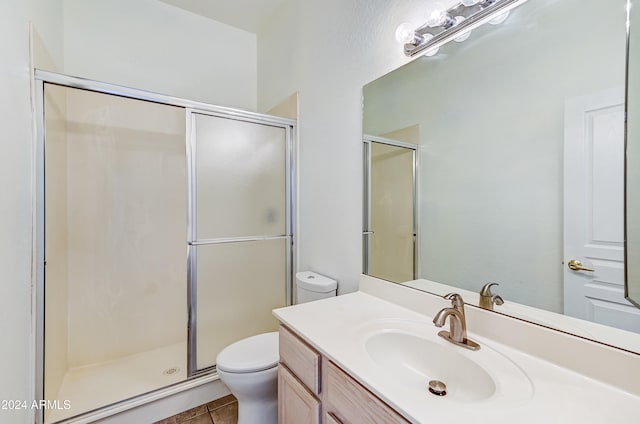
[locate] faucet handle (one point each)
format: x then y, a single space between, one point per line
456 299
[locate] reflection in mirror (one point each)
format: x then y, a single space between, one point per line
521 151
632 287
389 208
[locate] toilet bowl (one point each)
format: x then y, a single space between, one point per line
249 368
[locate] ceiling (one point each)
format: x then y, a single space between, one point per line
244 14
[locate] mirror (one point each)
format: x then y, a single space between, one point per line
632 287
520 165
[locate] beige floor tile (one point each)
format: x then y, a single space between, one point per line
191 413
200 419
221 402
170 420
227 414
223 411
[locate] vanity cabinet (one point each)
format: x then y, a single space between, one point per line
312 389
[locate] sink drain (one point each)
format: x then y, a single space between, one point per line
437 387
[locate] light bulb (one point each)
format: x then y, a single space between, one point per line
470 3
500 18
464 35
433 51
405 33
436 15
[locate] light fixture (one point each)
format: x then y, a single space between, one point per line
438 16
432 51
464 35
456 23
499 18
405 34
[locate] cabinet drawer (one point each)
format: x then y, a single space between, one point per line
351 403
331 419
301 359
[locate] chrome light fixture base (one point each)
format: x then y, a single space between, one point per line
474 16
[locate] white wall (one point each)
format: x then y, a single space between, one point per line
16 356
153 46
327 51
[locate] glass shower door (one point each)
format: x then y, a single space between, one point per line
240 239
115 269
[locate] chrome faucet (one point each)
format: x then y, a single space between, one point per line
457 333
488 299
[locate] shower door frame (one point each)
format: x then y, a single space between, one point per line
194 378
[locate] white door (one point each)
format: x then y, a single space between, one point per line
594 210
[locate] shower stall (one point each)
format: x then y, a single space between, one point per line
164 233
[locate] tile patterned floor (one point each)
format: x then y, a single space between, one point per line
220 411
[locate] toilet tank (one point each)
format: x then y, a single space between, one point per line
311 286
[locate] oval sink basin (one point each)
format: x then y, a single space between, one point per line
409 354
417 361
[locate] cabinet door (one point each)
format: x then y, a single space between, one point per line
296 404
350 403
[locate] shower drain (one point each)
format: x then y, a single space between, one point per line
171 371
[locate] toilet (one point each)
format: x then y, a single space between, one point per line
311 286
249 367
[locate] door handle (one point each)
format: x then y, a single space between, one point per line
576 265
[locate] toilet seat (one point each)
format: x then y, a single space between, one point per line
256 353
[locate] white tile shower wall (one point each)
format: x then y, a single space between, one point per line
153 46
327 51
16 353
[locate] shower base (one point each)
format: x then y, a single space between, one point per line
95 386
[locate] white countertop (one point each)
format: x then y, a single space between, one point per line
333 326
